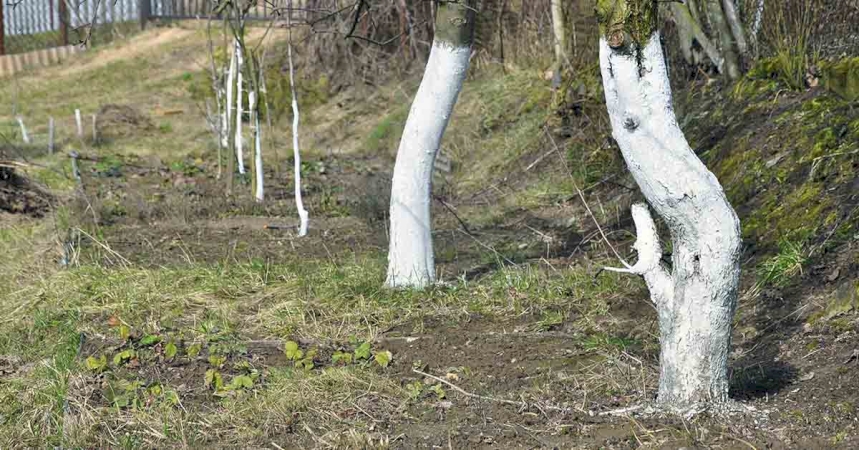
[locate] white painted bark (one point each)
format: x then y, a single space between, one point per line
756 24
230 82
259 191
79 123
303 215
94 129
240 157
24 135
696 303
50 135
410 256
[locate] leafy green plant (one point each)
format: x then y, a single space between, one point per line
415 389
170 350
439 391
298 356
383 358
96 365
149 340
124 357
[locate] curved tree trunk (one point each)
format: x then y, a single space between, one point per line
697 300
410 256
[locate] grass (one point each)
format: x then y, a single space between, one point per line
783 268
52 398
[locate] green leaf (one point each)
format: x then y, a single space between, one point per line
242 382
170 350
214 379
345 358
150 340
123 356
96 364
124 332
363 351
194 350
439 392
384 358
217 360
292 351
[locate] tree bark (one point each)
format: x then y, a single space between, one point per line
240 157
303 215
736 25
410 256
726 41
560 41
696 301
687 22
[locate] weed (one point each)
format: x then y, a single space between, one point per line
783 268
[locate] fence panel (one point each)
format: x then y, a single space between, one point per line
29 25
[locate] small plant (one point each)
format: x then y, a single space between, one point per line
298 356
782 268
124 357
96 365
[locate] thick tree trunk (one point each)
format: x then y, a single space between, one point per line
410 256
697 300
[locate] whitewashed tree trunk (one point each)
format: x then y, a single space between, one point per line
410 255
230 82
259 190
303 215
24 135
697 300
79 123
50 135
240 157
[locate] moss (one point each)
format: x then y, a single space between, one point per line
620 20
455 22
842 77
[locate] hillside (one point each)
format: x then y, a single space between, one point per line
185 318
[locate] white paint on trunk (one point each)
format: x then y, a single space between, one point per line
228 114
79 123
259 192
696 303
410 256
240 157
24 136
756 24
94 129
303 215
50 135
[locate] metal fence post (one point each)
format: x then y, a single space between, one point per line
145 12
